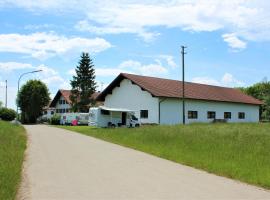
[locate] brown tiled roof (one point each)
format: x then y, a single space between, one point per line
160 87
66 95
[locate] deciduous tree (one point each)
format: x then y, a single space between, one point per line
261 91
32 98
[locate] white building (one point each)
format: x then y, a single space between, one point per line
159 101
61 104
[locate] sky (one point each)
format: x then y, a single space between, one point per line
228 42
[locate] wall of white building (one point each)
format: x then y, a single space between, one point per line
131 96
171 111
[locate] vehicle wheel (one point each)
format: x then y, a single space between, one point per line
113 125
137 125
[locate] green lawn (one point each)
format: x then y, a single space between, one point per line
12 147
239 151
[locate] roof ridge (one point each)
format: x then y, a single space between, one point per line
178 80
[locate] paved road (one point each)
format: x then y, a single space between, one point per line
65 165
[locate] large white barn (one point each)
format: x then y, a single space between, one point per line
159 101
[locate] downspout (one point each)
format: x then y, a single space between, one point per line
160 101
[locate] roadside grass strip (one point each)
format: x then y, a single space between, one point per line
12 147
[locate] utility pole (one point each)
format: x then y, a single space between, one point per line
183 83
6 94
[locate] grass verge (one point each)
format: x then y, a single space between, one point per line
12 147
238 151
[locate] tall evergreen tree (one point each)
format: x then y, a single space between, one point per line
83 84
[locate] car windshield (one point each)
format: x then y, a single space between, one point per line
134 118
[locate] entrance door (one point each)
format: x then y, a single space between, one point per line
124 118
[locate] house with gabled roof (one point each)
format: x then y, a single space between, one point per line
159 101
61 103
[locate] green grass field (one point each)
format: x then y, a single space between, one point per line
12 147
238 151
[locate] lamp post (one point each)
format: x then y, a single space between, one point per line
19 88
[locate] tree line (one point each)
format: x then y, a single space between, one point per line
260 91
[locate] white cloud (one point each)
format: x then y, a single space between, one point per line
169 59
84 25
227 80
11 66
248 20
38 26
109 72
102 72
205 80
130 66
234 42
153 69
50 76
44 45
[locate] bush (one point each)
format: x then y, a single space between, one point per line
55 120
7 114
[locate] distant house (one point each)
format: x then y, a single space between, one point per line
159 101
61 103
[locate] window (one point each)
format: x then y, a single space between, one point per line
192 114
62 101
52 112
241 115
144 114
105 112
227 115
211 115
134 118
45 112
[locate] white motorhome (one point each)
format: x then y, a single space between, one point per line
68 118
112 117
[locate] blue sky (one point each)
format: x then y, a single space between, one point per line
228 41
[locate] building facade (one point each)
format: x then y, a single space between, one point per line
159 101
61 104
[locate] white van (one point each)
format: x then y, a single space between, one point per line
112 117
81 118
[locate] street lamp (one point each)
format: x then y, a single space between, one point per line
19 87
